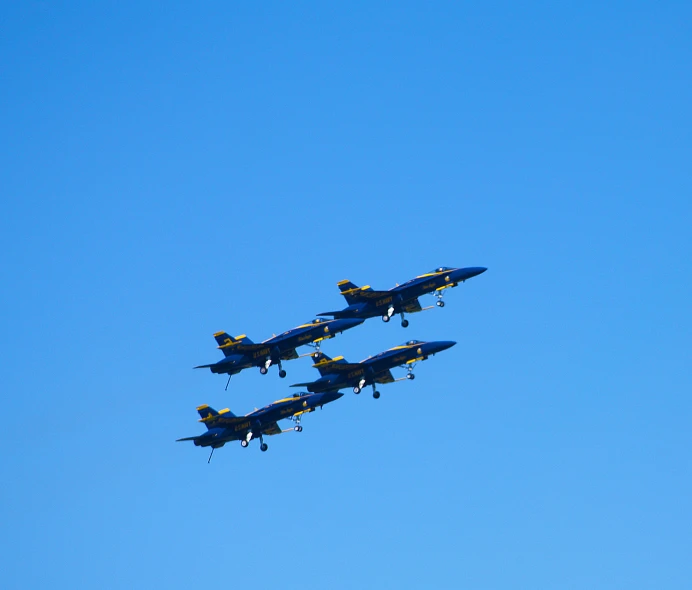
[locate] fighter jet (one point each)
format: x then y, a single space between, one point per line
242 353
224 426
338 373
364 302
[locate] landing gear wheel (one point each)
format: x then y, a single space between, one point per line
385 318
244 443
356 390
298 429
263 370
282 373
440 303
411 376
376 395
404 323
263 447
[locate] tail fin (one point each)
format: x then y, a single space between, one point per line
325 364
209 415
226 342
352 292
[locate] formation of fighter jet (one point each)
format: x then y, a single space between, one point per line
224 426
363 302
339 374
242 353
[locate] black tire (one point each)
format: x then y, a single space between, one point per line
243 443
282 373
376 395
356 390
411 376
263 447
404 323
385 318
440 304
263 370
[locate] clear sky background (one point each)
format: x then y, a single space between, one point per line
169 170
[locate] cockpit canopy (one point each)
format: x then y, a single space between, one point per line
412 342
442 269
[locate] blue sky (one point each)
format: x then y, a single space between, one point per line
170 170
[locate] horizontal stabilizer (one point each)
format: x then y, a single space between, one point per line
203 367
187 438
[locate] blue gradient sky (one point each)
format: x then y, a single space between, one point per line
174 169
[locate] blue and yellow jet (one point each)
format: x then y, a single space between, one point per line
364 302
338 373
224 426
242 353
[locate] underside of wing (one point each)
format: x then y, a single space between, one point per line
412 306
271 429
385 377
289 355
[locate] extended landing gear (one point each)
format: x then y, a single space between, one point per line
264 447
282 373
404 321
410 376
358 388
298 428
376 394
388 315
385 318
440 303
264 368
244 443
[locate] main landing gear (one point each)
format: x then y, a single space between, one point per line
375 393
246 442
264 369
358 388
390 313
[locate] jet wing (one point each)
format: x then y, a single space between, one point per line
385 377
289 355
271 429
412 306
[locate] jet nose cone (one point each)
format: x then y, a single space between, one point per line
474 271
444 345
